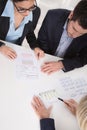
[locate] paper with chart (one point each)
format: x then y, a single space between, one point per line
26 64
50 96
74 87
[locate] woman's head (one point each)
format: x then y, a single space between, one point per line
24 6
82 113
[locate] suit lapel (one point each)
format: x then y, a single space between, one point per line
58 34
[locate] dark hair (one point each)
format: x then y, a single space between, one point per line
19 0
80 13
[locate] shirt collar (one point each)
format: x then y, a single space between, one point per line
65 25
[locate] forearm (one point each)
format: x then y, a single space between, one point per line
47 124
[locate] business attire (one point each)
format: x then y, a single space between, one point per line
47 124
28 27
49 38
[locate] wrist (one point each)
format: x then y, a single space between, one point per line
1 44
61 65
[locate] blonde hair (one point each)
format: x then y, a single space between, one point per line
82 113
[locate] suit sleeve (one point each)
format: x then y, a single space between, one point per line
78 56
42 39
47 124
1 43
31 38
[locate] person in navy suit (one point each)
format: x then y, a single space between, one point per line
47 123
18 20
64 34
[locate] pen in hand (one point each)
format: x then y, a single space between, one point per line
61 99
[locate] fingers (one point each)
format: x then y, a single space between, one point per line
50 67
70 102
11 55
71 105
40 108
38 101
9 52
39 53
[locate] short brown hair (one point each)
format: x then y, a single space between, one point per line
80 13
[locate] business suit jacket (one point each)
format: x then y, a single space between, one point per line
47 124
28 29
49 38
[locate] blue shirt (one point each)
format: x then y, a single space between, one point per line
13 34
64 43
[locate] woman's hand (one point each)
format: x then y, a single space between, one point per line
40 108
7 51
39 53
71 105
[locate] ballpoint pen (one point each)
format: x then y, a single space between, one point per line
61 99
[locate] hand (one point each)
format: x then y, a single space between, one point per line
71 105
51 67
40 108
7 51
39 53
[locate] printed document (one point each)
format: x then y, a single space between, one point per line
26 65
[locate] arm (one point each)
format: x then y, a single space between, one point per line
7 51
71 105
31 38
43 113
76 55
42 39
47 124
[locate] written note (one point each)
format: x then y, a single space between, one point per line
74 87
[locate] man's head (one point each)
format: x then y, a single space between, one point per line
77 25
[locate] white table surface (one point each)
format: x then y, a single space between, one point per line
16 112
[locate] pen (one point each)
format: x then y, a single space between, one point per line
61 99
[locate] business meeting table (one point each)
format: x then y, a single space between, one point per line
16 112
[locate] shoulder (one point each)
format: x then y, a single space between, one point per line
82 38
37 11
2 5
36 15
59 13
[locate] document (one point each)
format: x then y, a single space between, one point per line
49 95
74 87
68 87
26 65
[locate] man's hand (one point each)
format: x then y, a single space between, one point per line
7 51
51 67
39 53
40 108
71 105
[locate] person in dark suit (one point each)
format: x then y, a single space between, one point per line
18 19
47 123
64 34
